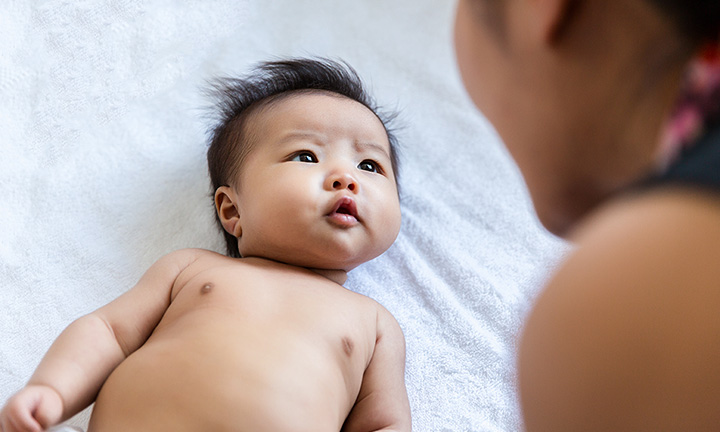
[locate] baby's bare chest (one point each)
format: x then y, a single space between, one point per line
295 311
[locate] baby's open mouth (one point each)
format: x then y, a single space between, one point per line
344 212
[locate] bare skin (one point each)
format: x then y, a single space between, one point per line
269 342
626 338
244 345
257 338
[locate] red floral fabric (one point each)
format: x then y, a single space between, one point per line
697 108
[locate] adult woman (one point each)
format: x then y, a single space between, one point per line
626 335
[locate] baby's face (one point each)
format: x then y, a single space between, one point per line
318 187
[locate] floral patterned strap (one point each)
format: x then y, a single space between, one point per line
697 108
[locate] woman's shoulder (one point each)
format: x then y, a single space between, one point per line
675 212
629 322
661 235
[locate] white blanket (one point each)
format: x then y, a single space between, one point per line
102 171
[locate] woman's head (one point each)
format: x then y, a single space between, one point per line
577 89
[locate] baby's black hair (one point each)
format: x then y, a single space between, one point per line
268 82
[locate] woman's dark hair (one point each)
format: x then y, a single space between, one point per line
269 82
699 19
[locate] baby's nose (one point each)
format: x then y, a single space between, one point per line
343 181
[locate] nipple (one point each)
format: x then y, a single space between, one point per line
206 288
347 345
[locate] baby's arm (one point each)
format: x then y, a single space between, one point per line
86 352
382 404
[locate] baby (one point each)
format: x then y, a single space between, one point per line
266 339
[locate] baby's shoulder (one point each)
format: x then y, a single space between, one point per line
197 257
375 312
189 255
191 262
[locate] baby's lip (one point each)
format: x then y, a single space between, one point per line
345 208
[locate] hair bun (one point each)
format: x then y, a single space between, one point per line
697 19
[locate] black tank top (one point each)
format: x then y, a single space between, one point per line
697 166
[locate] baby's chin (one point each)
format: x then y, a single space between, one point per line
336 260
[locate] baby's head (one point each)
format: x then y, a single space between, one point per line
303 168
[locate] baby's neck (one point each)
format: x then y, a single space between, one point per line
337 276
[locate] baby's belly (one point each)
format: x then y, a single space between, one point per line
212 376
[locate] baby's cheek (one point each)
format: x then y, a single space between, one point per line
389 229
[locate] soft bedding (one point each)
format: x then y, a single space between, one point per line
102 171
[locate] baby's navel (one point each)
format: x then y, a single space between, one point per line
206 288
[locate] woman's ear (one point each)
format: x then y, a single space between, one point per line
553 17
226 205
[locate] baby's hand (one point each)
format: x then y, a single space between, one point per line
32 409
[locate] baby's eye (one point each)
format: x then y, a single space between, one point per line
304 156
369 165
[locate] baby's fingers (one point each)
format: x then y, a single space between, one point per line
18 418
32 409
49 408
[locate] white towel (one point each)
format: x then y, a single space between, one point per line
65 428
102 171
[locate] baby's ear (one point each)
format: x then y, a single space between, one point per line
226 204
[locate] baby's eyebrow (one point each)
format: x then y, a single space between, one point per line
365 145
317 137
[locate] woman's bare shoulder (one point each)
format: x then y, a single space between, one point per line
626 334
641 212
